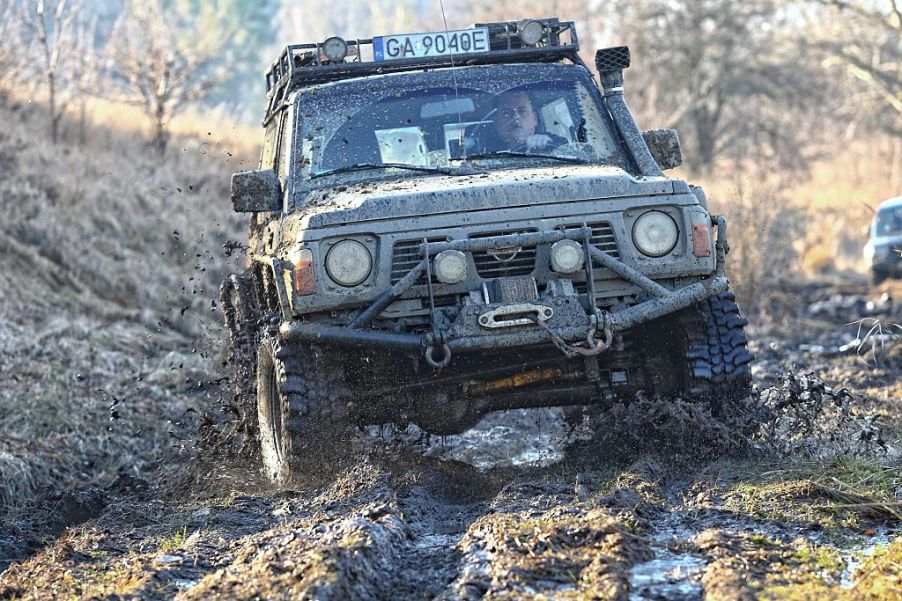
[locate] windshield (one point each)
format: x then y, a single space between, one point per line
496 117
889 221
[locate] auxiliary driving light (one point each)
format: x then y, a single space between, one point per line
530 32
655 233
566 256
349 263
450 266
335 48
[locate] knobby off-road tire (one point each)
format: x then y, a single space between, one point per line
716 352
302 428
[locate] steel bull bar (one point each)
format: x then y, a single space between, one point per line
663 302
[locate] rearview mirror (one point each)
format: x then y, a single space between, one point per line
664 145
256 191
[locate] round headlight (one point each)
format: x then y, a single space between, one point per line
348 263
450 266
335 48
530 32
566 256
655 233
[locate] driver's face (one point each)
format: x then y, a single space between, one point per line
516 119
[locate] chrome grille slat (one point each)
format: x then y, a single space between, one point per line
406 255
602 236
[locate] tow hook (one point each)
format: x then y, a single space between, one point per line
445 356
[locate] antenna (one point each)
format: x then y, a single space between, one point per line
460 119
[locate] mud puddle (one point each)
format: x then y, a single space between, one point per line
674 573
855 555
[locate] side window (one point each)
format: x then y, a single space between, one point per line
284 150
270 142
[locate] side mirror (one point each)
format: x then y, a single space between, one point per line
664 145
256 191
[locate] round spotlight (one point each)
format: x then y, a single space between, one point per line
450 266
530 32
566 256
348 263
335 48
655 233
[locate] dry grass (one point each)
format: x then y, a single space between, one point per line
109 261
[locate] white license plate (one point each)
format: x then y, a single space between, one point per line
423 45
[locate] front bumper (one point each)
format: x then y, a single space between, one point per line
561 320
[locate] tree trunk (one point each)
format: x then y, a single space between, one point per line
54 121
160 135
82 116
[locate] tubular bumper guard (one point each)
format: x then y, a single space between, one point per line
572 328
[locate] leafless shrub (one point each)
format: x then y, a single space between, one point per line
763 229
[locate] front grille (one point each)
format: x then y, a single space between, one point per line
602 236
504 263
406 255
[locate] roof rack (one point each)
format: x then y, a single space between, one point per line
301 65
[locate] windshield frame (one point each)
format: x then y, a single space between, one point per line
300 167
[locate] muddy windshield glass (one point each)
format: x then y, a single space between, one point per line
496 117
889 221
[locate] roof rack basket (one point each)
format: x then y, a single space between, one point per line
306 64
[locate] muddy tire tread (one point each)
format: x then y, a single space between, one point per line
717 350
314 427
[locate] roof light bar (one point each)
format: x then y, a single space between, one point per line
530 31
335 49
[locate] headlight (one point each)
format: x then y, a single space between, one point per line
348 263
655 233
566 256
450 266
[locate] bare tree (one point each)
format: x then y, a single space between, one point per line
729 75
84 70
163 59
13 48
865 42
54 24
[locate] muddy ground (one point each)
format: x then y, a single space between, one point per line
652 501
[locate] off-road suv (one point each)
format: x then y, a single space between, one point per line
447 224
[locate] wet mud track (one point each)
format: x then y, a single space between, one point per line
526 507
401 526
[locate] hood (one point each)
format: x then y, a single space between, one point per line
371 201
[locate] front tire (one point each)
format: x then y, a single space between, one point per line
718 361
301 428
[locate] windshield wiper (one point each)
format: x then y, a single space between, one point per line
366 166
531 155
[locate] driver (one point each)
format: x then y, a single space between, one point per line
516 121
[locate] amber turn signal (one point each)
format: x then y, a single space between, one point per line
303 275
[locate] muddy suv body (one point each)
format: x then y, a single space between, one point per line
407 263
